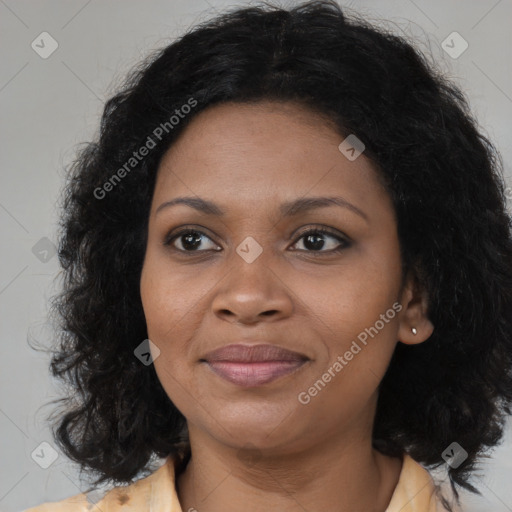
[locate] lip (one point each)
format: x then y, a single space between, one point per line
253 365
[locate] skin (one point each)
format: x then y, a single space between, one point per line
259 448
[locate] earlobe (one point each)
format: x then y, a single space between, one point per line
414 325
418 334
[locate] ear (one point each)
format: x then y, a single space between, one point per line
413 315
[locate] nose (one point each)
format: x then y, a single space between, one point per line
252 293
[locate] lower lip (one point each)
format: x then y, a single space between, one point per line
253 374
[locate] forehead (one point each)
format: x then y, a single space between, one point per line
270 124
247 153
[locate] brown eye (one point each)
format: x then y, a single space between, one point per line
322 240
190 240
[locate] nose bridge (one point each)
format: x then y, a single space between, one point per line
252 286
253 264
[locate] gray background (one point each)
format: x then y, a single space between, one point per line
50 105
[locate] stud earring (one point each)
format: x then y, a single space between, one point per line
414 331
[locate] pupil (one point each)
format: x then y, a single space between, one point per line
315 241
193 239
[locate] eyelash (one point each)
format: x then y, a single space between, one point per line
345 242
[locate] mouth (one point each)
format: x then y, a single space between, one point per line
251 366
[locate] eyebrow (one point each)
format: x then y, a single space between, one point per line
287 209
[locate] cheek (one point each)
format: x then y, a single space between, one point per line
355 310
172 303
169 296
168 333
163 307
351 298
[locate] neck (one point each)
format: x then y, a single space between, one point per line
344 473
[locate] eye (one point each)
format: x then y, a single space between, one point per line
315 240
190 240
322 240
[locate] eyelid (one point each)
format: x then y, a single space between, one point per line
323 229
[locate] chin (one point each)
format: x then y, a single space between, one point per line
263 429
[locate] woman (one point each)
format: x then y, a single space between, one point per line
288 272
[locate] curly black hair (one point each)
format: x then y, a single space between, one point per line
446 182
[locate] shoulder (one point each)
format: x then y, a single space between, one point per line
154 493
416 490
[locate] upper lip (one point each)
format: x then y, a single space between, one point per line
241 353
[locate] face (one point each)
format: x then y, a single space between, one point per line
264 264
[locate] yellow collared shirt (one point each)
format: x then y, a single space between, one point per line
415 492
